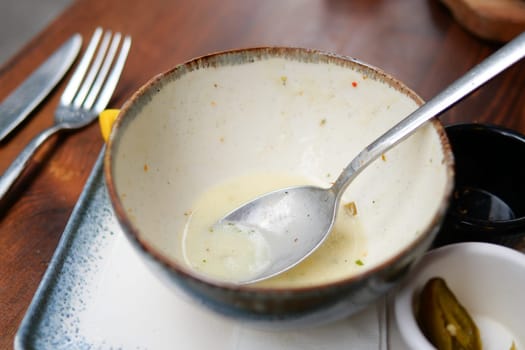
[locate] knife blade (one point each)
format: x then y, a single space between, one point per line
19 104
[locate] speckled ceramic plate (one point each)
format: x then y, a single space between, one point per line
96 294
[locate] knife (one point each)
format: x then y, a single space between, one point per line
17 106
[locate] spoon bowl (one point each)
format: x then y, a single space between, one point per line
307 214
282 217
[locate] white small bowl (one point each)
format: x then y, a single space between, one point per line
488 281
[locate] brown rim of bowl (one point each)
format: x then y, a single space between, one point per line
307 55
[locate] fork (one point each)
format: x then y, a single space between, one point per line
83 99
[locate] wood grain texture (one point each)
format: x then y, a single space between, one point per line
499 20
416 41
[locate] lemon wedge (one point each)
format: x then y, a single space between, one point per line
106 120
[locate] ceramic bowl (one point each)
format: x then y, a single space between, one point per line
487 279
245 122
487 205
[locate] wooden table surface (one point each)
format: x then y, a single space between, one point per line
416 41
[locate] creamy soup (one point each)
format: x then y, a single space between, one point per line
235 254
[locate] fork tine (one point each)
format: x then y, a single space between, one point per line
95 66
111 83
93 93
68 116
72 87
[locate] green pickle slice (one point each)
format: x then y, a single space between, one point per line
444 321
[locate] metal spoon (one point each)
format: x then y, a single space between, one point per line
295 221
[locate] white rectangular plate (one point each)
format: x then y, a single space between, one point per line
97 294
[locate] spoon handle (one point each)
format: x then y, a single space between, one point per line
477 76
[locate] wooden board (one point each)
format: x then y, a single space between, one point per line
499 20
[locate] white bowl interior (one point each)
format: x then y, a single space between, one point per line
487 279
277 115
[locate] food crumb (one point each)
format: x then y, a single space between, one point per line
146 168
284 79
213 103
350 208
221 140
451 329
215 85
359 262
322 122
187 212
383 157
354 83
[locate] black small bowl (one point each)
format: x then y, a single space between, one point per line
488 204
